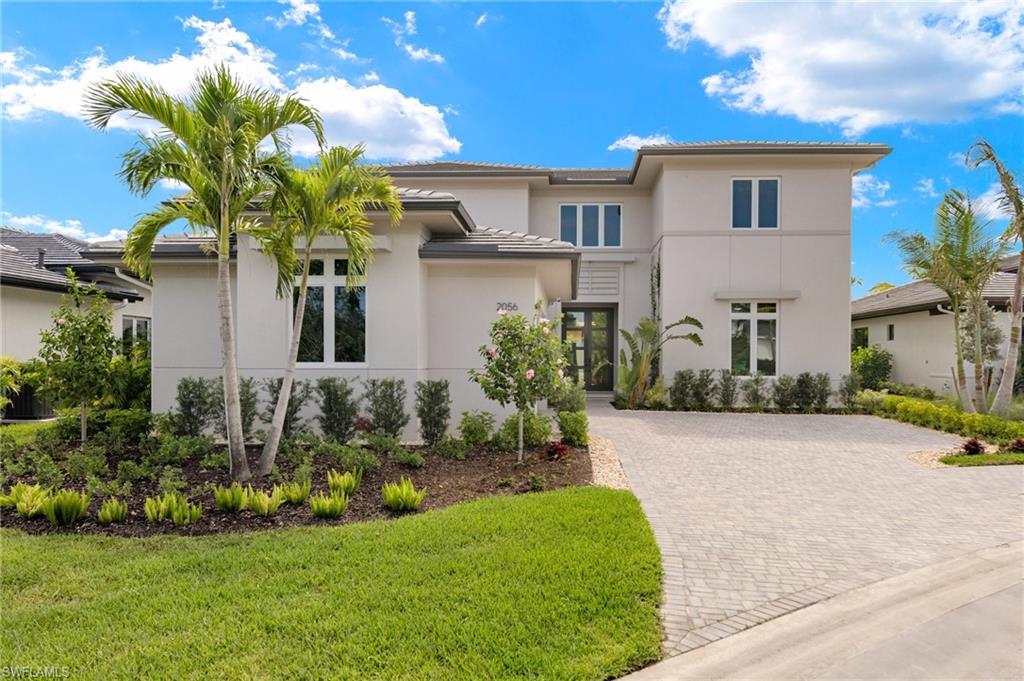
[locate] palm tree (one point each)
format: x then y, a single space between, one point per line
880 287
214 142
1010 199
330 198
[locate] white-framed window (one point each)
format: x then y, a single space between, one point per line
755 202
134 330
890 332
334 321
591 225
754 330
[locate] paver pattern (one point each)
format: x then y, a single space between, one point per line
758 515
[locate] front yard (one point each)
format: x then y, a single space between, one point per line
561 584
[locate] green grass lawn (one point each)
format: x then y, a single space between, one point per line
998 459
23 433
560 584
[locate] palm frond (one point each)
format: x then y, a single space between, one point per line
138 246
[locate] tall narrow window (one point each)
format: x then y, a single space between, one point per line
311 342
334 322
567 231
754 337
755 203
613 225
767 204
891 332
742 203
591 226
349 324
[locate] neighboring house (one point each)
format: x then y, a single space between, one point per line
753 239
913 323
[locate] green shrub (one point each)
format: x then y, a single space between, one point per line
129 425
385 402
132 471
296 491
300 395
872 365
725 390
349 457
175 451
569 396
402 497
249 401
66 507
907 390
410 458
703 390
383 442
229 499
754 393
26 499
330 507
656 396
112 511
574 427
171 479
681 393
821 391
345 483
803 392
476 428
451 447
89 461
536 432
263 503
198 402
783 391
128 381
338 408
216 460
433 409
940 416
95 487
183 514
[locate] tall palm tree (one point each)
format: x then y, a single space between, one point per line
1010 198
214 142
330 198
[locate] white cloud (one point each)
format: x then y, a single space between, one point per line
173 185
926 187
391 124
71 228
860 65
633 142
217 4
344 55
988 205
404 30
301 12
302 68
868 191
370 77
481 20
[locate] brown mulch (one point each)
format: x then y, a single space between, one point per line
483 473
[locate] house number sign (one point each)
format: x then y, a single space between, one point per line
508 307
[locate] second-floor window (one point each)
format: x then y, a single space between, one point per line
591 225
334 322
755 203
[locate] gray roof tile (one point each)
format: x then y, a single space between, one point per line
923 295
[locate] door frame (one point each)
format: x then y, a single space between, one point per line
613 315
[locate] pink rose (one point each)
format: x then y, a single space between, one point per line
492 351
61 321
502 313
529 374
561 373
547 331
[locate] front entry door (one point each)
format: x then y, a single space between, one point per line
591 331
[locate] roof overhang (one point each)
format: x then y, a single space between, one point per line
19 282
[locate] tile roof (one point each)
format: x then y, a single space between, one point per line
60 249
487 241
923 295
17 270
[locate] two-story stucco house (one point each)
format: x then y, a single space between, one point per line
752 238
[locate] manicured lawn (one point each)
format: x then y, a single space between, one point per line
23 433
998 459
561 584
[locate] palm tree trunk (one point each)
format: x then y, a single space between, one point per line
239 465
961 378
281 410
1001 404
980 401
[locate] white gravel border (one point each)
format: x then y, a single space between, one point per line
605 466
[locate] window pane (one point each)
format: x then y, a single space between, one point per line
590 218
741 308
740 346
860 337
316 267
567 230
767 308
311 342
127 335
767 203
892 332
349 324
766 346
573 320
742 203
340 267
142 329
613 225
599 320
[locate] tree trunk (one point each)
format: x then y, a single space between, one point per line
961 378
520 437
980 403
281 410
239 465
83 420
1001 404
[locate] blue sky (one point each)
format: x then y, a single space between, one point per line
545 83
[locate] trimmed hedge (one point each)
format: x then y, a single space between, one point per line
941 417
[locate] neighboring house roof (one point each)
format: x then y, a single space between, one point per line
490 242
923 295
17 270
1010 263
59 249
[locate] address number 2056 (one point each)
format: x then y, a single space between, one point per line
508 307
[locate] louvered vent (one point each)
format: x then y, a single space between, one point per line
599 281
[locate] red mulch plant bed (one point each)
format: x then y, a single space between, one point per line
448 481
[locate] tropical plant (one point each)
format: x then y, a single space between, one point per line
172 506
972 446
10 380
349 457
345 483
330 198
196 403
112 511
1011 201
296 491
725 389
523 364
291 423
75 352
229 499
262 502
66 507
880 287
433 409
570 396
531 430
821 391
992 336
783 391
402 497
410 458
451 447
215 143
128 379
476 427
385 405
754 392
574 426
248 399
328 506
635 375
24 496
871 365
338 408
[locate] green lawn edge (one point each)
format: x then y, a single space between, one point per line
562 584
998 459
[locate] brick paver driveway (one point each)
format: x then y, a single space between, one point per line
758 514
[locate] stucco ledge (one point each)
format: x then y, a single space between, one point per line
785 294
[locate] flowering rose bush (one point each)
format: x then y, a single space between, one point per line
523 364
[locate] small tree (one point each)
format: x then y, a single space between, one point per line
76 350
523 364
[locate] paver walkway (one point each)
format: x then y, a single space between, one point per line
758 515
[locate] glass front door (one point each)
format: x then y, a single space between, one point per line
591 331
